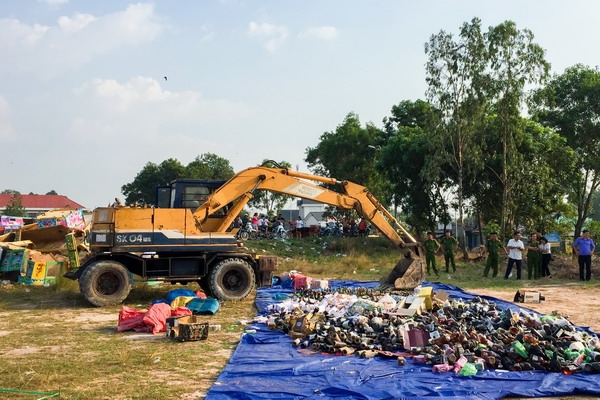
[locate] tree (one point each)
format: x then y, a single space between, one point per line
52 192
454 75
514 61
209 166
408 168
142 189
345 154
14 208
271 201
570 104
10 191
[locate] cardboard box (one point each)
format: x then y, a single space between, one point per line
42 272
186 328
414 337
427 294
319 284
528 296
14 260
411 305
531 297
302 282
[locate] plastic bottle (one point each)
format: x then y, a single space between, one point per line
469 369
520 349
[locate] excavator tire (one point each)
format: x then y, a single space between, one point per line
408 273
232 279
105 283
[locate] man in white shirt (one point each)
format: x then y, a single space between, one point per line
515 254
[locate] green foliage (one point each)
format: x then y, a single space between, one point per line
570 104
14 208
52 192
142 189
454 75
345 154
10 191
408 166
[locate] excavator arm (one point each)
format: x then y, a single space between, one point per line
407 273
239 190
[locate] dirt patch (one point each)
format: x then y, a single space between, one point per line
580 304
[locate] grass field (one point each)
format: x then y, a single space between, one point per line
52 341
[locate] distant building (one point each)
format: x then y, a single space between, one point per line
36 204
314 218
308 206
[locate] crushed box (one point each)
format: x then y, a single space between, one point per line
186 328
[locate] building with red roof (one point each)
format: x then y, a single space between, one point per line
36 204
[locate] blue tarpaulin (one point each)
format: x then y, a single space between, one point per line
265 365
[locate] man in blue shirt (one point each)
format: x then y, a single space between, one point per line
584 248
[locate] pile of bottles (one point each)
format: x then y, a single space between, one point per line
463 336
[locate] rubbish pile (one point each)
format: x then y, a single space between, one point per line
463 336
37 253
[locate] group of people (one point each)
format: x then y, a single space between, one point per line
538 254
448 244
538 257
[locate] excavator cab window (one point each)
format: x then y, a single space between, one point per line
193 196
188 193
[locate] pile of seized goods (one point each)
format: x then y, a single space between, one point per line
464 336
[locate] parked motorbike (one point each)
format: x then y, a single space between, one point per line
279 232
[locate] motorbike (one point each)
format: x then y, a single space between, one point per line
333 229
247 232
279 232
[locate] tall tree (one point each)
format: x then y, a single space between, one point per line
570 104
408 168
454 75
345 154
15 208
270 201
514 61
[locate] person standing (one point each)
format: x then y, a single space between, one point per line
515 254
492 247
299 226
431 247
449 243
534 261
546 256
584 248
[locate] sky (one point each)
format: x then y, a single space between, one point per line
91 91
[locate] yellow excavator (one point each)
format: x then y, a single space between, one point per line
176 241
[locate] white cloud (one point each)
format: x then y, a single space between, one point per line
320 33
54 2
73 41
72 25
119 109
272 36
6 128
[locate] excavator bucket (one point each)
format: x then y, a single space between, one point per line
408 273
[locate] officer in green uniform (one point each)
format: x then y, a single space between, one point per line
431 246
534 257
449 243
492 247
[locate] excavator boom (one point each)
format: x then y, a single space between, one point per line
240 188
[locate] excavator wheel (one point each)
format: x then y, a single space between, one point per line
105 283
231 279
